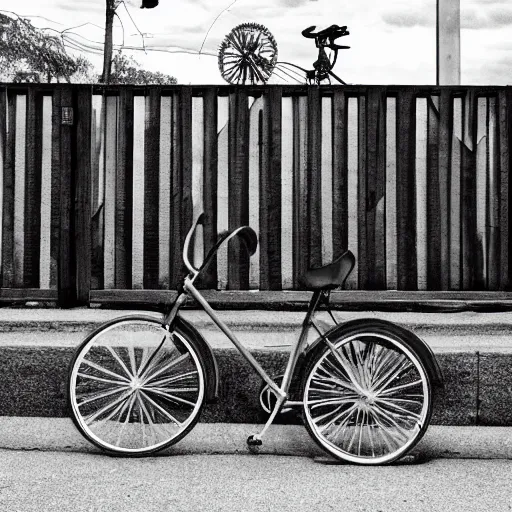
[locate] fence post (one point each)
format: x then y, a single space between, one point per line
66 274
83 194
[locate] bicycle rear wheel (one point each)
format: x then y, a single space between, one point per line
367 396
135 388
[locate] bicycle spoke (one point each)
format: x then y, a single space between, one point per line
148 378
104 370
98 396
171 397
394 389
161 409
100 379
120 361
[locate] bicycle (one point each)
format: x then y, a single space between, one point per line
138 384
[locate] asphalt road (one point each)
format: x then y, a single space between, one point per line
71 481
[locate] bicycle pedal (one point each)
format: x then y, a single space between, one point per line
252 440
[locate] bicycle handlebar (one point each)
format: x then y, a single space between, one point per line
246 233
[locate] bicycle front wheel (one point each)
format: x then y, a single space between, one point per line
134 387
367 396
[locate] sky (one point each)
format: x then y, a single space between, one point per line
392 41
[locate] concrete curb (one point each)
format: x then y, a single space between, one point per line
59 434
36 346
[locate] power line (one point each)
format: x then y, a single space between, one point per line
218 16
135 25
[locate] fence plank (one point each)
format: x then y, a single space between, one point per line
258 155
300 188
238 269
55 202
138 195
340 174
455 197
3 133
109 208
364 272
405 200
505 164
468 192
375 188
481 194
390 194
493 266
421 193
83 189
151 185
210 181
67 283
326 180
287 194
222 187
314 185
45 277
270 197
124 187
33 155
445 115
434 212
352 188
20 173
8 191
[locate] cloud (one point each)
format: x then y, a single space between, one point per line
408 18
81 5
489 14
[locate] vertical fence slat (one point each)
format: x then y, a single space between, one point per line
55 203
481 194
434 212
44 262
364 273
326 180
151 184
421 193
314 185
83 188
238 266
300 187
124 187
222 187
8 197
20 173
390 192
137 247
33 155
67 284
493 266
109 208
445 113
270 193
353 188
3 130
197 162
340 174
405 200
375 188
210 181
455 196
258 159
504 141
287 194
468 185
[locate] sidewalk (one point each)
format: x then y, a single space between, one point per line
474 351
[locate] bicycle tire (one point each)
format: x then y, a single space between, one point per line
367 399
134 388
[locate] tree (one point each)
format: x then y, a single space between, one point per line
29 54
126 70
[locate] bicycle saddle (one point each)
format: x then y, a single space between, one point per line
329 276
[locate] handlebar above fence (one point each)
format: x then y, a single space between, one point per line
246 233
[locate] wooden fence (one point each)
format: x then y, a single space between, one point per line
414 180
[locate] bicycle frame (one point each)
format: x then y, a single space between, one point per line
298 348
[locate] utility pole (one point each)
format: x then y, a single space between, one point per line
107 49
448 42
